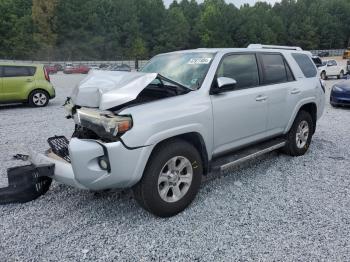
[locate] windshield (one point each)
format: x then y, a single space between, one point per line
188 69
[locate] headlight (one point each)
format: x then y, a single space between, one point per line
102 121
337 89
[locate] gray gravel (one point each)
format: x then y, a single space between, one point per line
275 208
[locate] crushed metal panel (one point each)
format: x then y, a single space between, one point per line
107 89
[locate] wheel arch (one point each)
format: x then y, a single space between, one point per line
309 107
196 140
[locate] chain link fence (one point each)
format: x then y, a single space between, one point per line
134 64
328 52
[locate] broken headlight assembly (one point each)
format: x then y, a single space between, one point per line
103 123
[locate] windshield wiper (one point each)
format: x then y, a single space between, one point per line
161 78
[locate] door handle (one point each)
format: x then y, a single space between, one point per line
295 91
261 98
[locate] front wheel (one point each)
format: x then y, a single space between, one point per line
300 134
323 76
341 75
171 179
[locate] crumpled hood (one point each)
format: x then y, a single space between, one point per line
107 89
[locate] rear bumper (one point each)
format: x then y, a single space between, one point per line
126 165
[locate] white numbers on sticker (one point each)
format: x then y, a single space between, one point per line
198 61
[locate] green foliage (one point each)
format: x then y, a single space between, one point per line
110 29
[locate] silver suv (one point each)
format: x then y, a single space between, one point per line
184 115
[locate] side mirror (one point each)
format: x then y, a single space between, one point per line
224 84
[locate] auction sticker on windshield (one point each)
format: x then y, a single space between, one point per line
199 61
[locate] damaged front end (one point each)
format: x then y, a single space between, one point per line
88 159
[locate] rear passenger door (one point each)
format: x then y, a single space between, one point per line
239 115
17 81
279 83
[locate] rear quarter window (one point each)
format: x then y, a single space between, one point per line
306 65
275 70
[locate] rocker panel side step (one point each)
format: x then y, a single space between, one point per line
233 159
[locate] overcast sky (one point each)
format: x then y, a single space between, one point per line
236 2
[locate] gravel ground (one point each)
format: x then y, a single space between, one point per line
275 208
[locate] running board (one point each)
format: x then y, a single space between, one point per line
236 158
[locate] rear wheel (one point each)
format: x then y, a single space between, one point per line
38 98
300 134
171 179
341 75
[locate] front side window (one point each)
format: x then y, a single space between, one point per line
274 69
15 71
188 69
241 67
305 64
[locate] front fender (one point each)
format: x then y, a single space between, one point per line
156 121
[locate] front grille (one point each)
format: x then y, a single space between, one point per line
59 146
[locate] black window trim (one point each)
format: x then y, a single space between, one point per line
285 66
213 85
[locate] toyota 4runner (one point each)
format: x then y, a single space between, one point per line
184 115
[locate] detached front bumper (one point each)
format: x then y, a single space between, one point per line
84 171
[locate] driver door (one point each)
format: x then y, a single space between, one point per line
240 116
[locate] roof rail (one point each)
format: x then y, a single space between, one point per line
260 46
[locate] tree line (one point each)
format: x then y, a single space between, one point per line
111 29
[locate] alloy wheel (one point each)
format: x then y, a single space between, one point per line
302 134
39 99
175 179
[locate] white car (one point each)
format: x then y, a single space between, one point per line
331 68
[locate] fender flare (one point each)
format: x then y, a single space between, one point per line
297 109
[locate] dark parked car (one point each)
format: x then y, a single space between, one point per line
58 67
102 66
122 67
317 60
340 94
323 54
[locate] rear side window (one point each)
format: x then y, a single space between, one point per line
241 67
275 70
306 65
15 71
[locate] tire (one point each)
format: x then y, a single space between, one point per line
302 122
341 75
156 191
324 76
38 98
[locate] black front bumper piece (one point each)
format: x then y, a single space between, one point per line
26 183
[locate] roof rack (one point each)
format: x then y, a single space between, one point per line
260 46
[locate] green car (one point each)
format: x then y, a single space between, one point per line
27 83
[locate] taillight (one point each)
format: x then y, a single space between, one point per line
47 77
